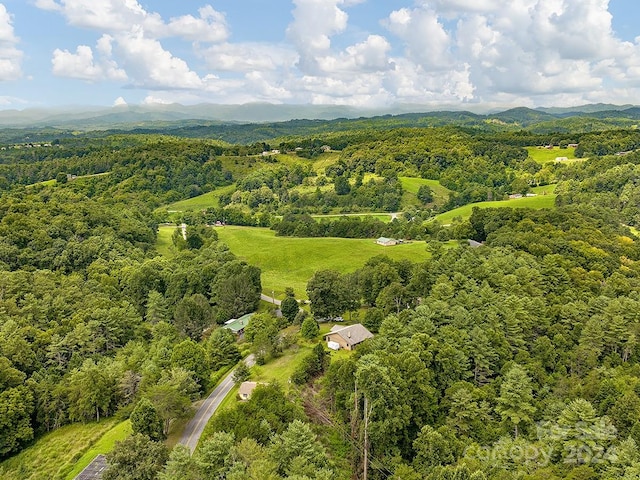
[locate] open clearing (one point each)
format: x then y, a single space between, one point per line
545 155
464 212
410 185
290 262
201 202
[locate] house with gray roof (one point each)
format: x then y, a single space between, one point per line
348 337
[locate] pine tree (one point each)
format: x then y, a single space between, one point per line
515 403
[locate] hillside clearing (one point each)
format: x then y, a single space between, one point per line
290 262
544 155
464 212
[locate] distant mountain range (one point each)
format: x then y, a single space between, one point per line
98 118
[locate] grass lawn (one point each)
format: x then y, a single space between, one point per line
541 201
290 261
544 189
206 200
102 446
55 454
164 244
324 160
544 155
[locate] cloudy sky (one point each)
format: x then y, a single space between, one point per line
370 53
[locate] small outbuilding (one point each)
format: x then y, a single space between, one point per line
347 337
246 389
386 242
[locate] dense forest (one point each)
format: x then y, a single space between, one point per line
516 357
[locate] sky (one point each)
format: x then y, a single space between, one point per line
361 53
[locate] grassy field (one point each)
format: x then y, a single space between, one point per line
54 455
206 200
290 262
544 189
102 446
541 201
544 155
412 184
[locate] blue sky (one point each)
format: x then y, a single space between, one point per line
369 53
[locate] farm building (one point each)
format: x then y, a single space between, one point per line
386 242
347 337
237 325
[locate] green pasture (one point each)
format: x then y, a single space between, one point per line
545 155
544 189
55 454
201 202
324 160
290 262
412 184
541 201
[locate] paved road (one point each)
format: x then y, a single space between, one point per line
196 425
266 298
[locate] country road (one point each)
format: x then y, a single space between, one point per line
196 425
266 298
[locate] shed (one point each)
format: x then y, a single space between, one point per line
347 337
386 242
246 389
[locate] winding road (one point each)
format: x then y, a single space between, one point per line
196 425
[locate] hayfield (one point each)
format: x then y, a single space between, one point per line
290 262
411 185
464 212
546 155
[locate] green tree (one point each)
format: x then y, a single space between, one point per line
241 373
289 307
170 403
425 194
296 450
221 349
193 315
515 402
136 458
145 420
157 310
180 465
191 356
237 289
326 294
16 408
309 328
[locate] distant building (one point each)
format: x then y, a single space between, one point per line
561 159
474 244
386 242
325 148
246 389
237 325
347 337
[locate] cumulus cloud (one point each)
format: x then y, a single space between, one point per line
82 64
10 55
210 26
120 102
151 66
527 52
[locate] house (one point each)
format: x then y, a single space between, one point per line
386 242
325 148
246 389
347 337
561 159
237 325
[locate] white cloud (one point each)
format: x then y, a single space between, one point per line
149 65
246 57
82 64
120 102
10 55
211 26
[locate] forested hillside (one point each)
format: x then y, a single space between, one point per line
514 356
